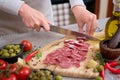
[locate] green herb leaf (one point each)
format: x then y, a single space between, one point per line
38 55
100 58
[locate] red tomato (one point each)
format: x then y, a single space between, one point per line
3 64
23 73
11 77
27 45
13 67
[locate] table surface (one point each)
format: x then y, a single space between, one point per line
40 39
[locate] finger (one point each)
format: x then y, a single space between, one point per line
46 26
88 27
80 25
37 26
33 27
93 26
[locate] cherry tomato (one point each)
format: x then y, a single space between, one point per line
27 45
13 67
3 64
23 73
10 77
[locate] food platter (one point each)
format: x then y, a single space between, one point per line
80 71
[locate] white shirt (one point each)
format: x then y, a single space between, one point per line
10 22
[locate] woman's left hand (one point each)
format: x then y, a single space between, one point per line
83 16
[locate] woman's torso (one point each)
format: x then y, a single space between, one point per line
13 24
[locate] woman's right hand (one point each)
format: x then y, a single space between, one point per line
33 18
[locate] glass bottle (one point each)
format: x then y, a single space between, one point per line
114 20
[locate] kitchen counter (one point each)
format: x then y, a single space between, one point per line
40 39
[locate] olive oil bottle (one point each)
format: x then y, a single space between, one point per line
114 20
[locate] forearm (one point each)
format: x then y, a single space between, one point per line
11 6
74 3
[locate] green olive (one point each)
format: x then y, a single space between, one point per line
17 51
5 55
13 54
1 53
98 78
100 68
50 77
47 73
15 47
8 46
18 46
43 78
4 50
58 77
11 51
12 45
42 73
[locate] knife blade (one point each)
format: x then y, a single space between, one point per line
68 32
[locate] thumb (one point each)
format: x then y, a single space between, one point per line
46 26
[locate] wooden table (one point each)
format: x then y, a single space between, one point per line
40 39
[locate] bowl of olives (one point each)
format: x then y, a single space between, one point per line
43 74
11 52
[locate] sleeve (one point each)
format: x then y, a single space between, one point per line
76 2
11 6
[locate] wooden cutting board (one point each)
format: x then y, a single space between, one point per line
81 72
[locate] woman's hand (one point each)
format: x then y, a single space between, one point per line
33 18
83 16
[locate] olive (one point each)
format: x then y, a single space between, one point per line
18 46
43 78
8 46
5 55
11 51
1 53
47 73
99 68
17 51
42 73
98 78
13 54
58 77
4 50
50 77
12 45
15 47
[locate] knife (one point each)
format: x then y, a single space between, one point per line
68 32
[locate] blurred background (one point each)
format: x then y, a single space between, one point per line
63 15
